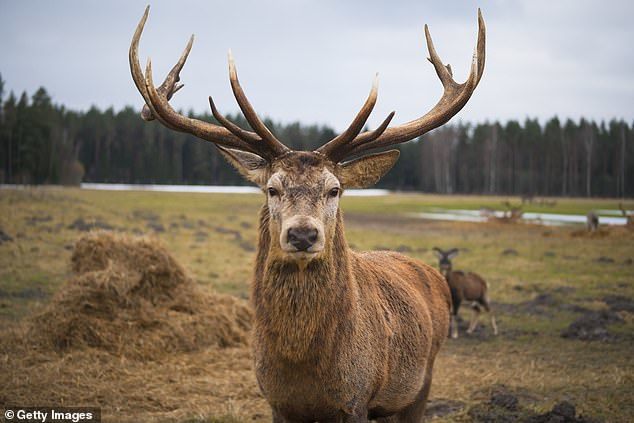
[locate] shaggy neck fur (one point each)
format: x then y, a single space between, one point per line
299 308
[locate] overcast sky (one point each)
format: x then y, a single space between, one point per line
313 61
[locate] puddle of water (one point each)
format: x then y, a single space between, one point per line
457 215
553 219
563 219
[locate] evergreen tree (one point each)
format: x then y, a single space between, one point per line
41 142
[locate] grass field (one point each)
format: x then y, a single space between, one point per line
541 280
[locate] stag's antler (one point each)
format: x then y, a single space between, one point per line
454 98
261 142
337 148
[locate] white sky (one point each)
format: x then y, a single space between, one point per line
313 61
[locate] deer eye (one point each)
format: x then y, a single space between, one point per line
273 192
333 192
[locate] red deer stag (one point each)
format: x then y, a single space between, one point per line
464 287
338 335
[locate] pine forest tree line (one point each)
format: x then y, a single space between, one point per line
45 143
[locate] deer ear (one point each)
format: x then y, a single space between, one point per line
367 170
253 167
453 253
438 252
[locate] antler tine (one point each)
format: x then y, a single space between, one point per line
344 149
204 130
372 135
135 68
249 112
454 97
232 127
133 55
170 84
157 105
334 148
479 55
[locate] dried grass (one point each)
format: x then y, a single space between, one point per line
132 334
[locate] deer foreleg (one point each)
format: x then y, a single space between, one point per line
474 320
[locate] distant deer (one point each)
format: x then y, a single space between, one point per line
464 287
338 335
592 221
510 215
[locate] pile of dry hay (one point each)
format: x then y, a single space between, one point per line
130 297
132 334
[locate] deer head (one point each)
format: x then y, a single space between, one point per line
444 259
303 188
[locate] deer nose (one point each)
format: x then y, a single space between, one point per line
302 238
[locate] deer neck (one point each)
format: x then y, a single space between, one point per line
297 306
446 272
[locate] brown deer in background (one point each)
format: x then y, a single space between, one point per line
511 214
464 287
338 335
